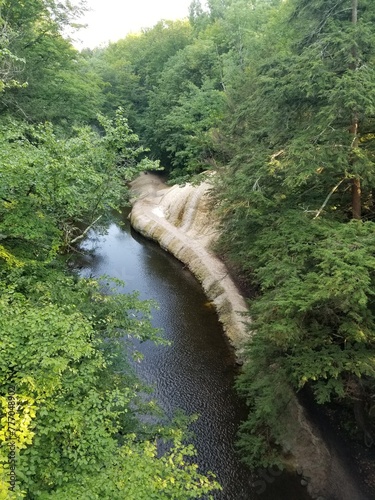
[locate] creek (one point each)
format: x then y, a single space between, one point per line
197 371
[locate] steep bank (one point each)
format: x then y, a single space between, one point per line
179 219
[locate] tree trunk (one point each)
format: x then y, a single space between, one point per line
354 11
356 198
356 182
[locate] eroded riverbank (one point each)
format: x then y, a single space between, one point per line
180 220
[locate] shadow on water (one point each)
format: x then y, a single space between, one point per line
196 373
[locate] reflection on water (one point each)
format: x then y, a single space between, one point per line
196 372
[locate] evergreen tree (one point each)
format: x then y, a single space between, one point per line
306 150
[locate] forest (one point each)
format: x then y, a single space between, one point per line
277 97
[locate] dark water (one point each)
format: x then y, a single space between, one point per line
196 372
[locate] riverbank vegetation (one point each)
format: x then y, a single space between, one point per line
276 96
69 402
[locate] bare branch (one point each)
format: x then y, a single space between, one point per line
85 231
328 197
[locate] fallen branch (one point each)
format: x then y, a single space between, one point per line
328 197
85 231
276 155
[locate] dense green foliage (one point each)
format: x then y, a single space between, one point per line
168 81
279 98
301 149
131 67
70 404
59 86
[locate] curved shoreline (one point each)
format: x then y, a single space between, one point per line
177 218
151 217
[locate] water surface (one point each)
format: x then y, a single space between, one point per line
196 373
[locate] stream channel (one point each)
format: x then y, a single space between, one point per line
196 373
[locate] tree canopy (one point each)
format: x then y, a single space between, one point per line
70 404
278 98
